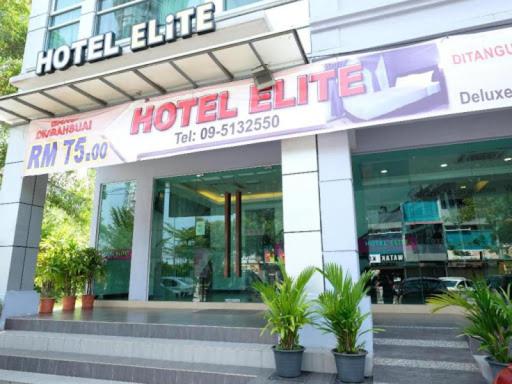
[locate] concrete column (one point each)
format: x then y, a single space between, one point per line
141 248
21 208
36 35
87 19
338 215
301 218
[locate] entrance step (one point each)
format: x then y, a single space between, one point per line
17 377
151 330
249 355
131 370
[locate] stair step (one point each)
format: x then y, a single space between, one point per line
165 350
17 377
145 371
150 330
207 352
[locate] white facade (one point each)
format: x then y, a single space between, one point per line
318 196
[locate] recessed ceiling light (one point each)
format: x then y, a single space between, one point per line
462 187
444 165
508 159
383 171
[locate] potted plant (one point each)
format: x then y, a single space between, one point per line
92 266
47 268
489 313
340 315
69 274
288 310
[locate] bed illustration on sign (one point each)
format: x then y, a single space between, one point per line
397 82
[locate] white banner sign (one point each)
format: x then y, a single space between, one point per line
442 77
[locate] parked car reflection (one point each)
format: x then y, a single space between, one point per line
179 286
416 290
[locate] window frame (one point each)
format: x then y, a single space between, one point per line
53 13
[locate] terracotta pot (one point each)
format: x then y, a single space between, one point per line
505 376
68 303
46 305
87 302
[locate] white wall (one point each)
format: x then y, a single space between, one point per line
348 25
440 131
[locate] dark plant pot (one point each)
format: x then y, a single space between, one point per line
68 303
46 305
496 367
288 363
350 367
87 302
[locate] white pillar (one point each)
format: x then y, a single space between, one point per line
21 208
87 19
36 34
141 248
301 219
339 228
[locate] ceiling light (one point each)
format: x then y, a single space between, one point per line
462 187
444 165
508 159
384 171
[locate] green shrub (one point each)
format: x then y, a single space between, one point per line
92 267
338 308
288 309
489 313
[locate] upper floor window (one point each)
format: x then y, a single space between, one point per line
64 22
230 4
118 16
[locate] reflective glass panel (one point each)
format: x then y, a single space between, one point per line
191 238
435 219
61 36
115 235
230 4
65 17
61 4
120 21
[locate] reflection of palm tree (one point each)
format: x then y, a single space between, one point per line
118 234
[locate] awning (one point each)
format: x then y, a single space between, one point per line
218 64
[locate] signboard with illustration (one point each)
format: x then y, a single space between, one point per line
442 77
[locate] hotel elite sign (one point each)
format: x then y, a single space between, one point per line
441 77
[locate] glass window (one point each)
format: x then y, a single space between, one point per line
115 233
435 212
120 21
191 237
63 26
61 4
230 4
65 17
63 35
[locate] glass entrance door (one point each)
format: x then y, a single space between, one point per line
214 235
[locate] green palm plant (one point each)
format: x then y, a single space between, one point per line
288 308
338 308
489 314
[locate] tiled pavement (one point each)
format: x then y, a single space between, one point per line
423 349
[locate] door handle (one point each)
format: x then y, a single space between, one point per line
227 234
238 234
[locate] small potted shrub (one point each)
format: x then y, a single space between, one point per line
340 315
288 310
70 275
47 268
93 268
489 313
